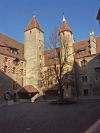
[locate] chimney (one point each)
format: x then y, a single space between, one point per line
92 43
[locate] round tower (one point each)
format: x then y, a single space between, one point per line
66 44
33 52
67 57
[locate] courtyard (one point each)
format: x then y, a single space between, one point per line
42 117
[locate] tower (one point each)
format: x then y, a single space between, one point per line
66 44
67 53
33 52
92 43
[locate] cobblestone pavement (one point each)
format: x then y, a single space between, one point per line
42 117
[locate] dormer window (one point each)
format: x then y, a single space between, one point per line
14 50
82 51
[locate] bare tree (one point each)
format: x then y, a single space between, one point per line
53 41
59 63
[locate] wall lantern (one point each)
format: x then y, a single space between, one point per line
16 61
84 62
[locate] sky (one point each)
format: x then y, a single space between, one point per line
80 15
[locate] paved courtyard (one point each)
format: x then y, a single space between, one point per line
42 117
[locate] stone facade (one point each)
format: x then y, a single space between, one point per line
36 66
33 50
88 76
12 77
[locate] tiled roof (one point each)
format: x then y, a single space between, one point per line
85 45
33 24
51 56
29 89
82 45
64 27
9 42
78 46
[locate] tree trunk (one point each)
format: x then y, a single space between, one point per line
61 94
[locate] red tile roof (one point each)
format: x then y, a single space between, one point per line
82 45
33 24
78 46
29 89
85 45
51 56
9 42
64 27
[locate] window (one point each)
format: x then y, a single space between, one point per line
97 69
55 81
49 70
14 70
49 82
40 74
39 48
40 65
46 73
21 63
5 69
14 85
82 51
84 78
22 71
13 51
6 59
40 57
57 69
13 62
86 92
96 79
40 83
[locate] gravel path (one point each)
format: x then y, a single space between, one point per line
42 117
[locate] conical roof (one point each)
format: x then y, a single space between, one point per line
64 26
33 24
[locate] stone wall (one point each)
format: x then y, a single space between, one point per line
92 79
34 56
9 81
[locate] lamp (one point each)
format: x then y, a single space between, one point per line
16 61
84 62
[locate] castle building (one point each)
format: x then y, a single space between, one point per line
34 75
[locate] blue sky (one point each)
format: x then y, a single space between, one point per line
80 15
